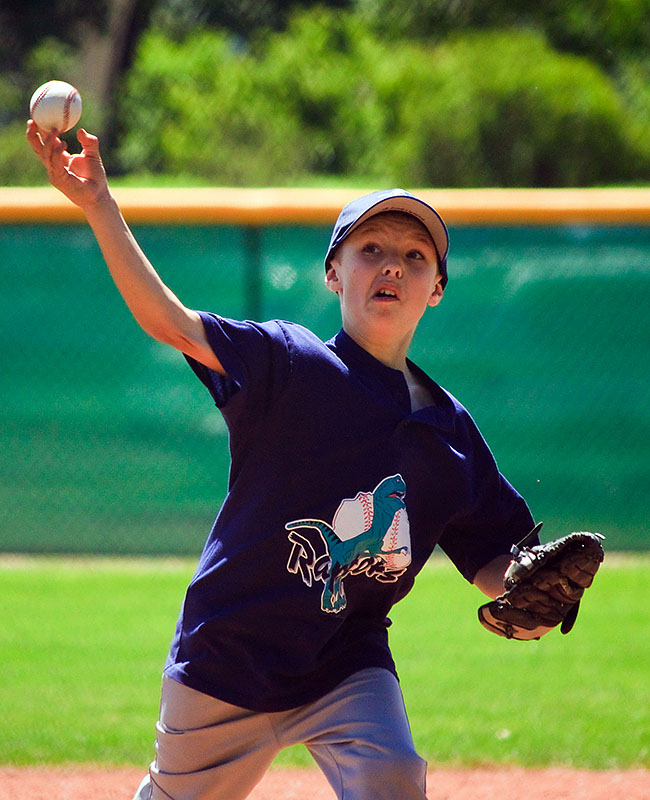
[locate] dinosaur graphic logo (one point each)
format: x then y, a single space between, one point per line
368 535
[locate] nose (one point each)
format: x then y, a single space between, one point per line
392 269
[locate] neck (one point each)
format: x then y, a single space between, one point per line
389 350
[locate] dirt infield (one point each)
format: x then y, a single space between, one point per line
71 783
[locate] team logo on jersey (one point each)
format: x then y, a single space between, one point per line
368 535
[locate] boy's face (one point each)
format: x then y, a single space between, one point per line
386 275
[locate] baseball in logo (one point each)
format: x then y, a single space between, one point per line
369 535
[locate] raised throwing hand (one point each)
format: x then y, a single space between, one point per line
80 177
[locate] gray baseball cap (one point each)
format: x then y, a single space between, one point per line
361 209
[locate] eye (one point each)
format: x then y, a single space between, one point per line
416 255
371 248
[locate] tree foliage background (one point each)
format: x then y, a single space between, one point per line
418 93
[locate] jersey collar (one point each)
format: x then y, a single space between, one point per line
382 379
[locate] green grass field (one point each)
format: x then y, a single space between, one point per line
83 643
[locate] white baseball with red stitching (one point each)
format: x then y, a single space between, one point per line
56 105
398 536
354 516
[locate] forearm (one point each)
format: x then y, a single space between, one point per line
155 307
82 179
489 579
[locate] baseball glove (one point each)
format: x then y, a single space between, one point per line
544 585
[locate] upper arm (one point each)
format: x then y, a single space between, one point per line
188 336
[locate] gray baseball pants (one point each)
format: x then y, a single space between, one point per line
358 734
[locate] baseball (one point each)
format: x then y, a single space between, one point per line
56 105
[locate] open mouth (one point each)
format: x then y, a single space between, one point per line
386 294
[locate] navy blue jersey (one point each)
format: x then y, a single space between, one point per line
337 495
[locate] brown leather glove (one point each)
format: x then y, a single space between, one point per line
544 585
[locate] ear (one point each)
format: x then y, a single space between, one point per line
436 295
332 280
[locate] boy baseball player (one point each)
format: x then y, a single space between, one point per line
349 464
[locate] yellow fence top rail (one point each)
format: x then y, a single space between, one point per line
321 206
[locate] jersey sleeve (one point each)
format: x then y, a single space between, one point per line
255 356
497 517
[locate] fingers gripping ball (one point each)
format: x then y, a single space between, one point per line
56 105
544 586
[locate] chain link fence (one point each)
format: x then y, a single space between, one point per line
110 444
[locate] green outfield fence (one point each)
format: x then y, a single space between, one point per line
110 444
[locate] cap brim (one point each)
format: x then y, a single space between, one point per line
415 208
